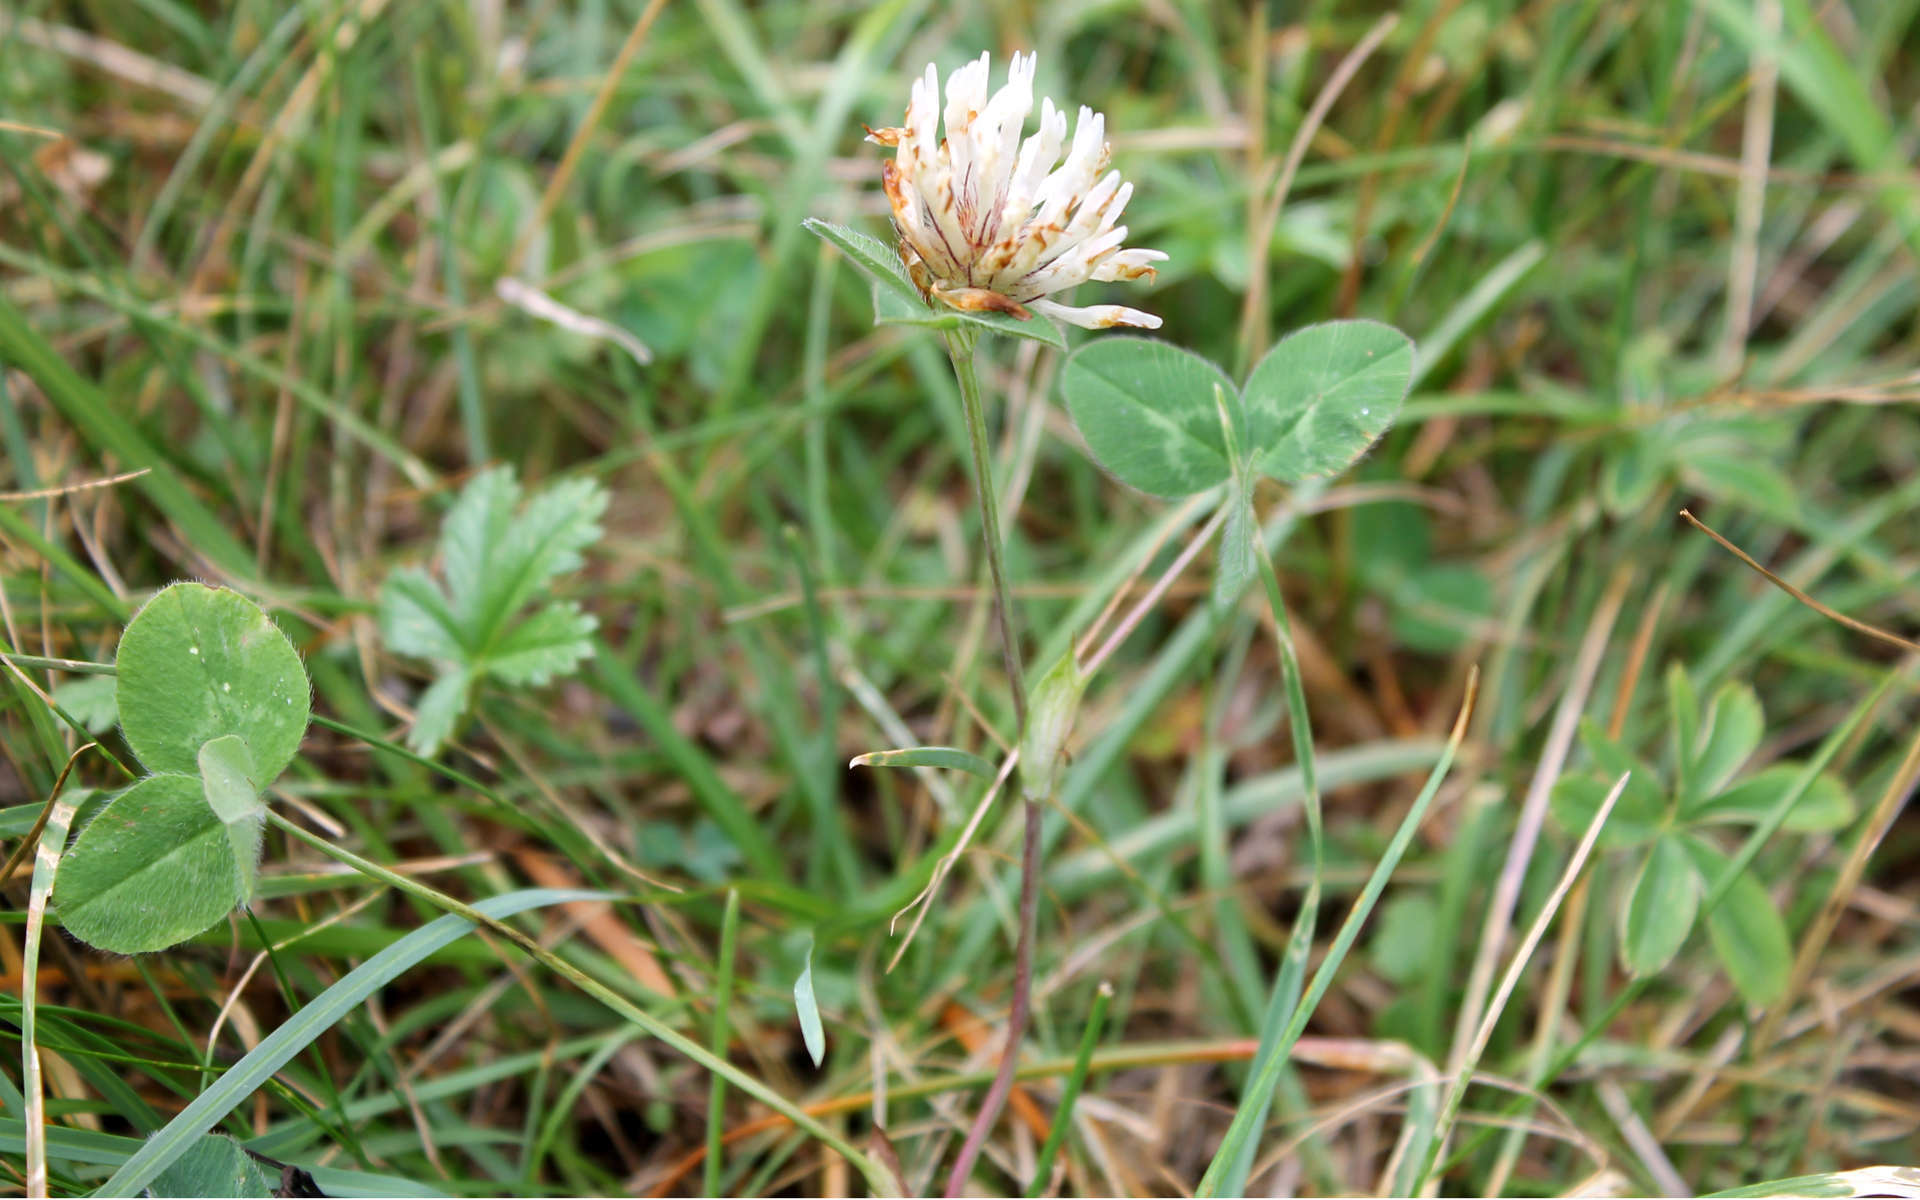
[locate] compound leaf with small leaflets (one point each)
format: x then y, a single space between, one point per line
498 556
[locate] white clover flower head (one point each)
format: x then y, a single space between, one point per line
986 221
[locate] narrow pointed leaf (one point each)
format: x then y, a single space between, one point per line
929 756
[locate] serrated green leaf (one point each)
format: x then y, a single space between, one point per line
415 618
197 663
1827 805
1729 735
547 538
154 868
1748 935
470 535
499 555
213 1166
438 709
1147 412
1660 908
929 756
551 642
1323 395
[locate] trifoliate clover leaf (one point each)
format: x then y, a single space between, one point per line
498 556
1665 816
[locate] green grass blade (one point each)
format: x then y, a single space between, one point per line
1248 1119
1070 1091
278 1048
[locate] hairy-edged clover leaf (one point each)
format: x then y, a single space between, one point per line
1170 423
498 556
1323 395
214 701
1665 823
1150 411
1147 411
154 867
197 663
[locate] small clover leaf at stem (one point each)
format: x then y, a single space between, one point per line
1236 563
155 867
1826 806
499 555
226 778
1147 412
1660 908
1053 708
1238 544
874 258
1323 395
890 308
198 663
1748 934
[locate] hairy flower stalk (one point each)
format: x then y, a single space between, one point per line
987 222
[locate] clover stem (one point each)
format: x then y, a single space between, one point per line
960 348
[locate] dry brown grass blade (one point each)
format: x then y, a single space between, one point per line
1815 938
1853 623
591 121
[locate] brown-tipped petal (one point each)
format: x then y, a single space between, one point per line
972 299
884 137
1096 316
1128 264
896 189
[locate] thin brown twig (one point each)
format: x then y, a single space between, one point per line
571 158
69 488
1017 1016
1253 311
1853 623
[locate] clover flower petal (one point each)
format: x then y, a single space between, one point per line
991 220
